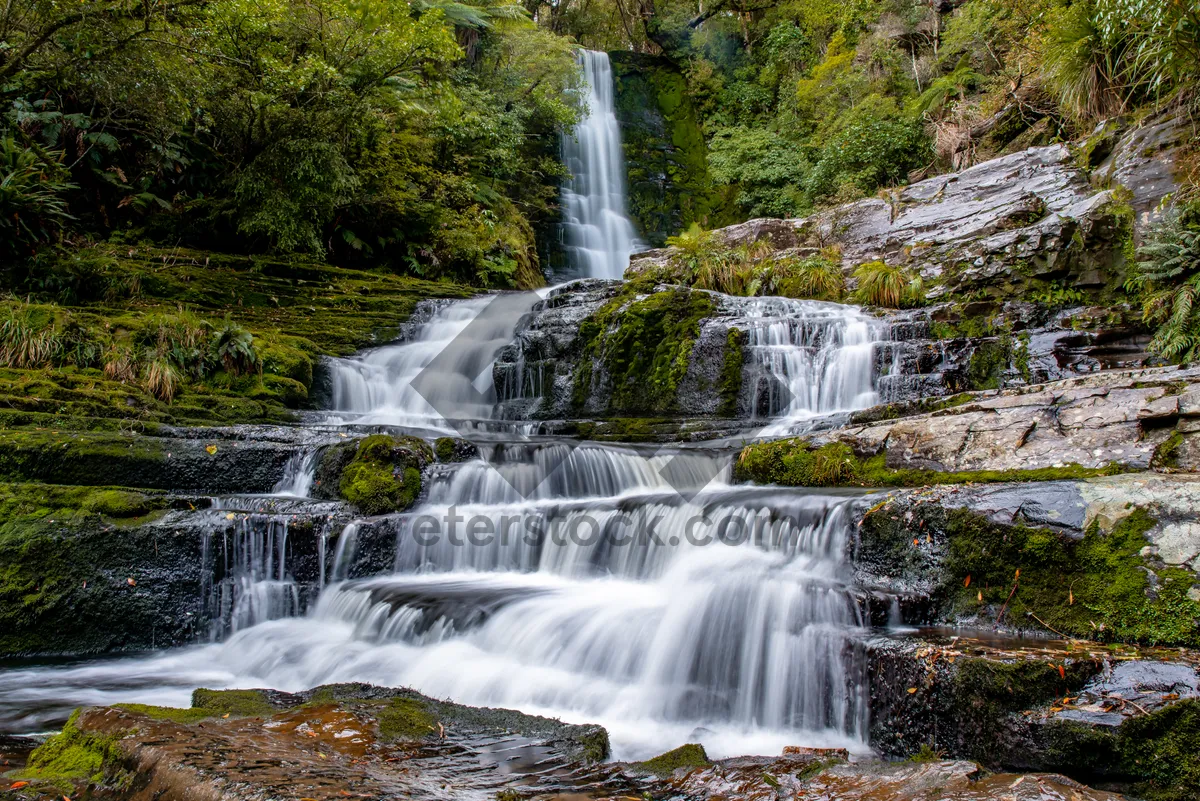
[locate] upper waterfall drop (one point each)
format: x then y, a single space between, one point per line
599 236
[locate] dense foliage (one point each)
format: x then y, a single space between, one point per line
421 136
809 102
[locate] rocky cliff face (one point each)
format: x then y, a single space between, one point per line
668 182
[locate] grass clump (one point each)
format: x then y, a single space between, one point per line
889 286
687 757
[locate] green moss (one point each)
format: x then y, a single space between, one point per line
406 719
795 463
1166 454
987 364
665 152
171 713
731 372
1161 751
687 757
237 703
385 473
73 756
1098 587
644 345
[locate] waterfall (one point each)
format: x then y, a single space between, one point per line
810 358
298 474
598 233
448 361
604 596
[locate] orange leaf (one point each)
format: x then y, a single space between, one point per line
1070 598
967 582
912 690
1018 573
131 582
18 785
915 541
1062 672
979 596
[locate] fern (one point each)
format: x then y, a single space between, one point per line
1167 274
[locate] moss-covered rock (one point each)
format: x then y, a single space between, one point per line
74 757
636 350
453 449
238 703
799 463
385 473
685 757
665 153
1105 585
80 572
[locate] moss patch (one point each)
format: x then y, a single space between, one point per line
237 703
171 713
688 757
795 463
73 756
385 473
731 372
643 345
1100 587
406 719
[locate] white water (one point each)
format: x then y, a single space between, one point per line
727 619
450 361
822 354
598 233
744 645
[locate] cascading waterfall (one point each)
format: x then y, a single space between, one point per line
601 596
561 578
823 354
598 233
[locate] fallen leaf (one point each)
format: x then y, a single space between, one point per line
967 582
1062 672
212 450
912 690
1070 598
230 516
131 582
915 541
18 785
1018 573
225 715
979 596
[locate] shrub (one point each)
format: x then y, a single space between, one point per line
881 284
1168 276
32 209
818 277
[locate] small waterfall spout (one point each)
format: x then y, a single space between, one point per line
598 232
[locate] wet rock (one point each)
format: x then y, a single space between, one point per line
1090 711
327 743
813 778
1143 161
992 227
1123 418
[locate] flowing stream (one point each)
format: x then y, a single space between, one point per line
631 587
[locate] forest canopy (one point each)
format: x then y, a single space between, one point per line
423 137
